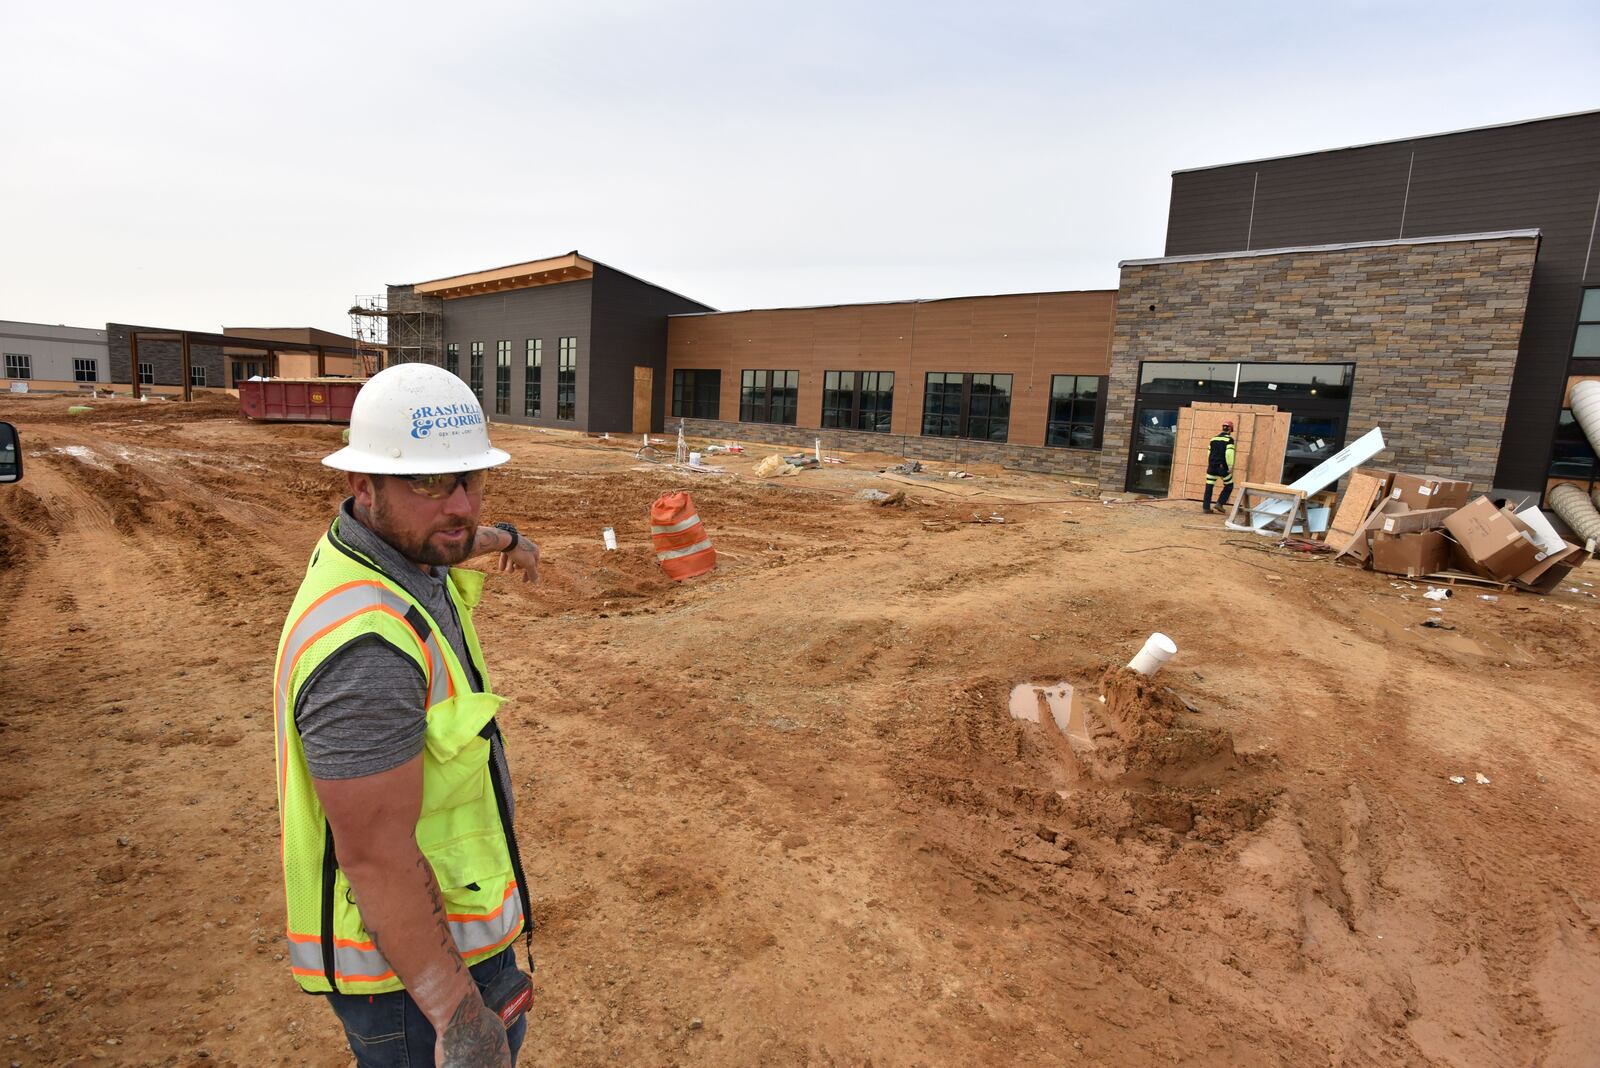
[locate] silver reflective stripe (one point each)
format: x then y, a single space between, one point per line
351 964
682 524
673 554
335 609
474 936
440 674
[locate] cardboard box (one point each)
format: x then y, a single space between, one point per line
1407 522
1359 544
1557 557
1492 542
1424 552
1418 493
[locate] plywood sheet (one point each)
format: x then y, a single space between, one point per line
1354 507
1261 434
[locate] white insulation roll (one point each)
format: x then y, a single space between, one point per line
1576 510
1586 409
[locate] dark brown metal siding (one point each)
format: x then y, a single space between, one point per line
546 312
629 330
1543 175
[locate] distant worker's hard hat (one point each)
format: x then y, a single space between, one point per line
416 419
1225 426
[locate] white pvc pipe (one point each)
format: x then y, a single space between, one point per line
1576 510
1586 409
1158 649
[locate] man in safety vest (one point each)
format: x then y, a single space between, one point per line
404 888
1219 468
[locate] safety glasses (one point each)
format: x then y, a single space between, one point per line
438 487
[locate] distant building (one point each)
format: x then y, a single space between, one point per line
244 364
45 358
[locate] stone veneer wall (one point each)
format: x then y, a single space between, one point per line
1074 463
1433 330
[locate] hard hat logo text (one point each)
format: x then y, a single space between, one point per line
427 419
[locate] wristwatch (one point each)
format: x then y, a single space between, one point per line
516 537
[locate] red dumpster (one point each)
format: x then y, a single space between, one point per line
299 400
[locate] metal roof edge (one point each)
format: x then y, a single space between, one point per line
1388 141
1491 235
881 303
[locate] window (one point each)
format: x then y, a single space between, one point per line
147 374
502 377
476 357
85 370
697 394
1074 412
768 396
1267 383
1573 456
197 376
533 369
976 406
452 358
567 378
19 365
1586 345
858 400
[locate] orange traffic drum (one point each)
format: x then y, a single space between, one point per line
683 548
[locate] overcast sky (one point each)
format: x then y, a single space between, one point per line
201 165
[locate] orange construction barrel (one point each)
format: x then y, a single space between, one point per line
683 548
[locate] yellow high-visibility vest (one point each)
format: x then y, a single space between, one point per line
346 596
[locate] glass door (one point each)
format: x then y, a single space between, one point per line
1150 464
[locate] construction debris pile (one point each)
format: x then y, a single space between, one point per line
1417 527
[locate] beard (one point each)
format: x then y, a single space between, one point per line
421 547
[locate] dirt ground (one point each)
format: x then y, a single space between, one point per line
781 815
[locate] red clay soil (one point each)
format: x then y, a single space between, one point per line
781 815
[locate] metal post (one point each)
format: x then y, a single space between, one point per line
133 357
183 359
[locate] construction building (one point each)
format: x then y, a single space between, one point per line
1014 379
559 342
1444 288
222 361
298 361
42 358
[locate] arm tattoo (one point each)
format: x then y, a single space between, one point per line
474 1036
448 943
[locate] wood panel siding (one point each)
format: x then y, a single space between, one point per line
1543 174
1029 336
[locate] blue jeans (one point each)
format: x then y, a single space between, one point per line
389 1031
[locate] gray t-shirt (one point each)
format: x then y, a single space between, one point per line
365 710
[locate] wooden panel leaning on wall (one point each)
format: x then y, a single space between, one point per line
1261 436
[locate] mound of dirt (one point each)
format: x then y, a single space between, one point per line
1142 730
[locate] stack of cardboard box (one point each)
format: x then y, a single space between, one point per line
1417 527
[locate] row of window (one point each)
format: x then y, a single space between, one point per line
533 374
20 365
955 404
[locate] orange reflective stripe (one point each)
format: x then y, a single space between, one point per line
464 916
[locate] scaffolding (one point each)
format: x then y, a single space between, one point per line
400 327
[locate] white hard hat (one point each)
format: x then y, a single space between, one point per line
416 419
